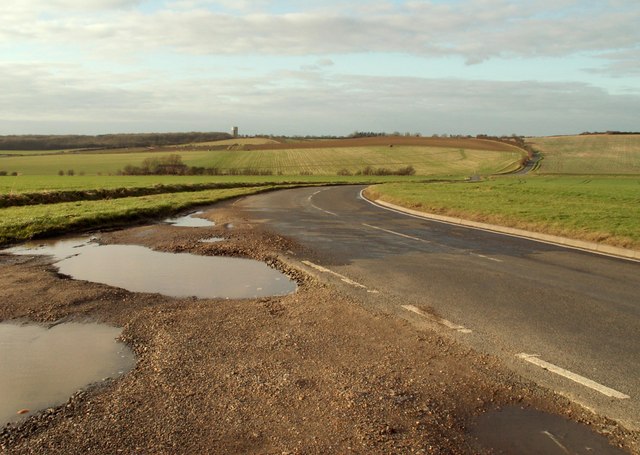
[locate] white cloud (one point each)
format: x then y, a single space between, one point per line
619 63
302 102
58 55
473 29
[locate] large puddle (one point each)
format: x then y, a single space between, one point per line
139 269
41 367
513 430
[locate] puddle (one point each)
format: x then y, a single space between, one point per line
139 269
43 367
190 221
513 430
212 240
59 249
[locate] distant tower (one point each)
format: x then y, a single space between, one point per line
234 131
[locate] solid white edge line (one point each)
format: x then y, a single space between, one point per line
444 322
533 358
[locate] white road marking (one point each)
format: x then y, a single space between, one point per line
396 233
342 277
493 231
418 239
442 321
555 440
533 358
486 257
318 208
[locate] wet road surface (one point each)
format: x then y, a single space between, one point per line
565 318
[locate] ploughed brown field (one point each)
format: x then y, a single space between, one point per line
465 143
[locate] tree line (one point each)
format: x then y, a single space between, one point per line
58 142
173 165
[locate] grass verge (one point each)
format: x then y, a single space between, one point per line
24 223
597 209
12 187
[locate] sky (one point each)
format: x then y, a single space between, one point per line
531 67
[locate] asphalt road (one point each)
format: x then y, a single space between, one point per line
503 295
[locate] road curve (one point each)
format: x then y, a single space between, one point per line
532 304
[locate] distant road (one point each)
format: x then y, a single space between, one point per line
530 164
567 319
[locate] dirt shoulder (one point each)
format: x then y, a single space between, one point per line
318 371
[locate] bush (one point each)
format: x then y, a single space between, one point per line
2 173
370 170
71 172
409 170
344 171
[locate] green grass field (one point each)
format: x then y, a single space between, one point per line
606 154
428 161
599 209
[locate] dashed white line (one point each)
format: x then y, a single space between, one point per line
336 274
318 208
396 233
486 257
533 358
444 322
556 442
418 239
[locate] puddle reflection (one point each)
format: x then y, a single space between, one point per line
530 432
190 221
43 367
139 269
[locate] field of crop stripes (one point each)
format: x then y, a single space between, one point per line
590 154
327 161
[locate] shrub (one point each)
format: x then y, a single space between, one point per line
408 170
370 170
344 171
